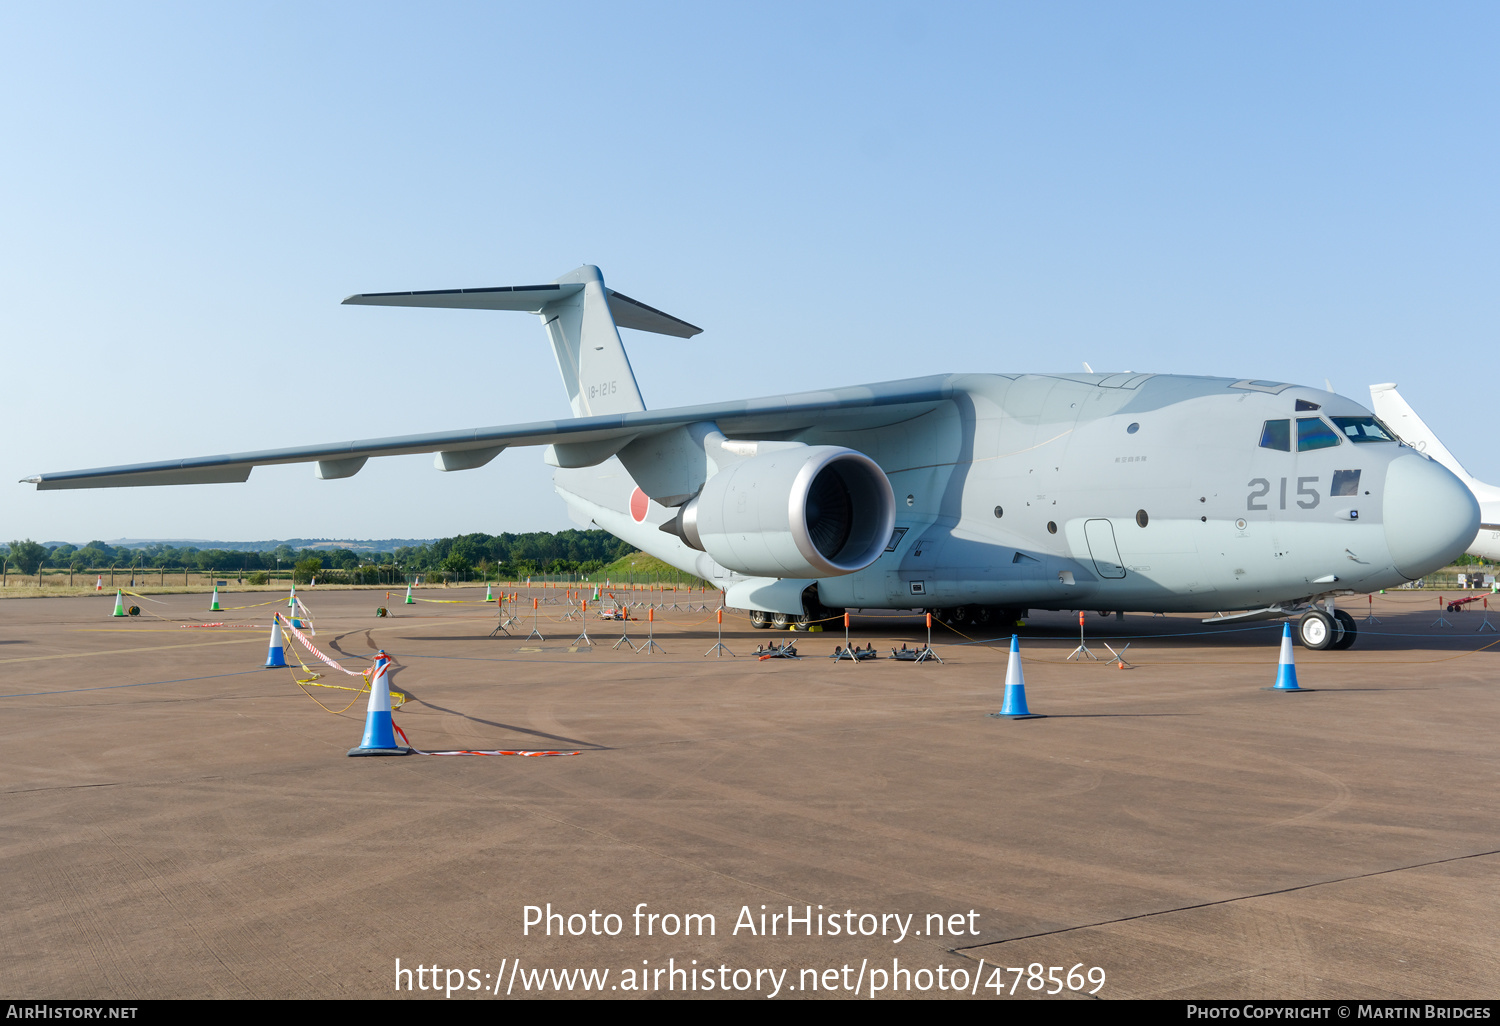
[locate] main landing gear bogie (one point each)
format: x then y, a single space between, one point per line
819 615
979 617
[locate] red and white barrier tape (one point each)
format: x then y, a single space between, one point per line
287 625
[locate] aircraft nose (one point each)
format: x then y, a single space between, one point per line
1430 516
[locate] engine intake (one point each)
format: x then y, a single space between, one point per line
808 511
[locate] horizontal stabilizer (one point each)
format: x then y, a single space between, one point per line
632 313
627 312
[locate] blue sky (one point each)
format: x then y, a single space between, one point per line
837 193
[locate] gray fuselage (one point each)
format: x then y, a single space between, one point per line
1127 491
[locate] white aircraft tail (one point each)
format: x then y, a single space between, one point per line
581 317
590 356
1398 415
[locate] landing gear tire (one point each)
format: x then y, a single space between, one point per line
957 616
760 619
981 616
1316 630
781 621
1350 631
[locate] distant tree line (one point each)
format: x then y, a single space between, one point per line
502 555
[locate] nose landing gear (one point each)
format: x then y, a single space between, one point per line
1350 631
1318 630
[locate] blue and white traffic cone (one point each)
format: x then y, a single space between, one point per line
275 657
1014 706
380 735
1286 670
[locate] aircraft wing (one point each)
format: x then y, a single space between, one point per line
577 442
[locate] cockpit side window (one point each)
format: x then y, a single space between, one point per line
1313 433
1277 434
1363 429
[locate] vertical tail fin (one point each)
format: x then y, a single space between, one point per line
595 370
1398 415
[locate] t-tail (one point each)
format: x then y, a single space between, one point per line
582 317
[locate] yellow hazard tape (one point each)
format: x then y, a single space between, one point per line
314 679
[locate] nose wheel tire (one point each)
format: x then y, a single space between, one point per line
1348 634
1316 630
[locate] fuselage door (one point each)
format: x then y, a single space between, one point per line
1101 539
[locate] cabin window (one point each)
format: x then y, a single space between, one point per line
1314 433
1363 429
1277 434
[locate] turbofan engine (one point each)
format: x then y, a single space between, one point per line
803 511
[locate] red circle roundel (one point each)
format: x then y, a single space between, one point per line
639 502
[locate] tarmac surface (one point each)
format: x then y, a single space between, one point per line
179 822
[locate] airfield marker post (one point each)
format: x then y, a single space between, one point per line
719 646
1082 649
844 653
651 635
584 639
1441 621
1486 625
624 628
927 653
534 613
1372 618
500 621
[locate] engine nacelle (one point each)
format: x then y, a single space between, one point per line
804 511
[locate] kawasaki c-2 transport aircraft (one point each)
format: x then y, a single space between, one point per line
979 496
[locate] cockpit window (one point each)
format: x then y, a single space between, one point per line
1277 434
1313 433
1363 429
